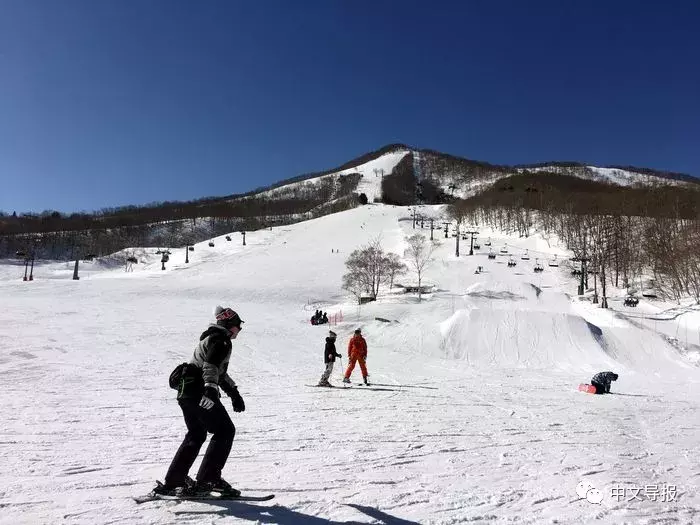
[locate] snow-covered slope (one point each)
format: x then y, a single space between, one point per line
370 183
458 177
474 416
617 176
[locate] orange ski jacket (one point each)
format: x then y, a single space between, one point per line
357 347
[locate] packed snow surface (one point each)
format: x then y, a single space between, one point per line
474 416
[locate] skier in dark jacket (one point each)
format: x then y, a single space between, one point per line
329 355
601 381
199 398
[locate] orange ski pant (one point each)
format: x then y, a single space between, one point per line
351 366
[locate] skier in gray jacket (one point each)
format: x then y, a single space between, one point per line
199 398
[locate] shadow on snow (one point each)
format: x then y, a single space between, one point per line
282 515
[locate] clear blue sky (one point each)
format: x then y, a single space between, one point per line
114 102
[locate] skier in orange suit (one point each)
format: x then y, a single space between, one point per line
357 353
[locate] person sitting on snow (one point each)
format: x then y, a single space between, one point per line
601 381
316 317
324 319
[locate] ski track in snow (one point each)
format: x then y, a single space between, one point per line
483 423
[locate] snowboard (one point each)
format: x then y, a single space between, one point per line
212 496
584 387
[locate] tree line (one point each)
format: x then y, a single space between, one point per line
60 236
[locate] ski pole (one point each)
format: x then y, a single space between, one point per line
342 373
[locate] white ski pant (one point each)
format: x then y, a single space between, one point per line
327 373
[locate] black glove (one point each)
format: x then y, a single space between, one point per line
237 401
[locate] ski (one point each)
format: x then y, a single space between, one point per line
355 386
406 386
152 496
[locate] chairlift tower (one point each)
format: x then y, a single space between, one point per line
471 246
457 241
583 260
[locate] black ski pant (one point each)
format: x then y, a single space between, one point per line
200 421
599 388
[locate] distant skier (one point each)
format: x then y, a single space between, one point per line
357 353
601 381
198 397
329 355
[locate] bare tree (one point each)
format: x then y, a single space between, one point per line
394 267
420 255
367 269
353 283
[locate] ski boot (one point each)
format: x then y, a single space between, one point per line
180 491
221 486
346 380
324 383
366 380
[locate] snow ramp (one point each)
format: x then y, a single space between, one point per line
522 339
513 324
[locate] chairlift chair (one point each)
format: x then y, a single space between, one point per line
554 262
631 301
511 262
492 254
504 249
538 267
525 256
477 246
488 242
